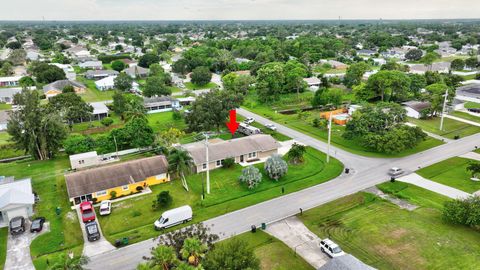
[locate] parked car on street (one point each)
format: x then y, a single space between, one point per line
271 126
37 225
249 120
330 248
93 234
105 208
87 211
173 217
395 171
17 225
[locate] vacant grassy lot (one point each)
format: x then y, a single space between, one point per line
386 237
4 106
451 172
272 253
466 116
133 218
304 124
451 128
472 105
6 147
192 86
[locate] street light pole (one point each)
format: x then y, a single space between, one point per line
329 136
208 165
443 109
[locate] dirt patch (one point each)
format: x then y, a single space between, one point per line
71 215
398 233
404 256
399 202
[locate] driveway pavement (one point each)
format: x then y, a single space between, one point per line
97 247
417 180
18 249
471 155
300 239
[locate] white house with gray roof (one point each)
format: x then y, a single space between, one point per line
16 199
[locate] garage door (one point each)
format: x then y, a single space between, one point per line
16 213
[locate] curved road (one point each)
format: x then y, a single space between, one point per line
366 172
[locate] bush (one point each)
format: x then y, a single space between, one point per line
118 65
201 76
164 199
276 167
76 144
251 176
464 212
109 58
139 188
176 115
107 121
228 162
113 195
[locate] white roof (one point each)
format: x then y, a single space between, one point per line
83 155
99 107
106 82
16 192
65 67
10 79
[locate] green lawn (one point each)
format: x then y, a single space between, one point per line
6 147
466 116
472 105
48 182
451 172
133 218
3 246
277 135
386 237
4 136
92 94
192 86
5 106
451 128
272 253
304 125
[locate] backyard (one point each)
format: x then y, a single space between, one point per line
451 128
92 94
133 218
451 172
386 237
192 86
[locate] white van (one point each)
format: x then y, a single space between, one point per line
173 217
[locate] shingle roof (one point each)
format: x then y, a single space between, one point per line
345 262
116 175
417 105
59 85
133 71
231 148
101 72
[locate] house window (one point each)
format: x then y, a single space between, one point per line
204 166
219 163
81 161
101 193
125 187
252 155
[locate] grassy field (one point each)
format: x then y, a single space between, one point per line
386 237
466 116
192 86
6 147
3 246
472 105
133 218
48 182
451 128
272 253
304 125
5 106
92 94
4 136
451 172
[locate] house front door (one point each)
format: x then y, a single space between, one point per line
241 158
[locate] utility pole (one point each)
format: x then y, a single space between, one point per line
443 109
208 165
329 136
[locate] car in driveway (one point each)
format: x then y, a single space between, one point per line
105 208
271 127
93 233
17 225
395 171
87 211
249 120
330 248
37 225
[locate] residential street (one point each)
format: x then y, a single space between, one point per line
366 172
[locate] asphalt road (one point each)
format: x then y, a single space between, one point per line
366 172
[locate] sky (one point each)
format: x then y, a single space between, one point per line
236 9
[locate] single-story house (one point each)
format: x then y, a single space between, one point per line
243 150
68 69
312 82
91 64
334 64
78 52
4 117
16 199
414 108
345 262
100 110
109 83
10 81
6 94
100 74
129 62
96 184
85 58
442 67
84 160
56 87
161 104
137 71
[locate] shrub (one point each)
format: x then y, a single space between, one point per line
464 212
276 167
163 199
228 162
113 194
139 188
296 152
176 115
107 121
251 176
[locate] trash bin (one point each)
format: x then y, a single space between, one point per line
264 226
118 243
254 228
58 210
392 179
125 241
347 170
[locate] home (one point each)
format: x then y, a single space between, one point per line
91 64
415 108
129 62
100 74
334 64
442 67
98 184
6 94
137 71
161 104
313 82
100 110
10 81
55 88
90 159
366 52
242 150
16 199
77 51
68 69
4 117
109 83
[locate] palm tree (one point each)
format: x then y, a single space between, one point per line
192 250
70 262
180 162
134 109
163 257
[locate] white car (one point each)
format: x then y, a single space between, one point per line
330 248
395 171
271 126
105 208
249 120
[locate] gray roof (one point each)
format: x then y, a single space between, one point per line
133 71
218 150
9 92
59 85
115 175
101 72
417 105
160 99
345 262
99 107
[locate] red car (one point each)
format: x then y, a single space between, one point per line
88 213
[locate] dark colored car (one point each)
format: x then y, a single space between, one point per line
37 224
17 225
93 234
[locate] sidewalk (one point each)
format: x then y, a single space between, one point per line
471 155
300 239
417 180
433 135
462 120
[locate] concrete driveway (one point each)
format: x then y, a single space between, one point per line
300 239
97 247
18 249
